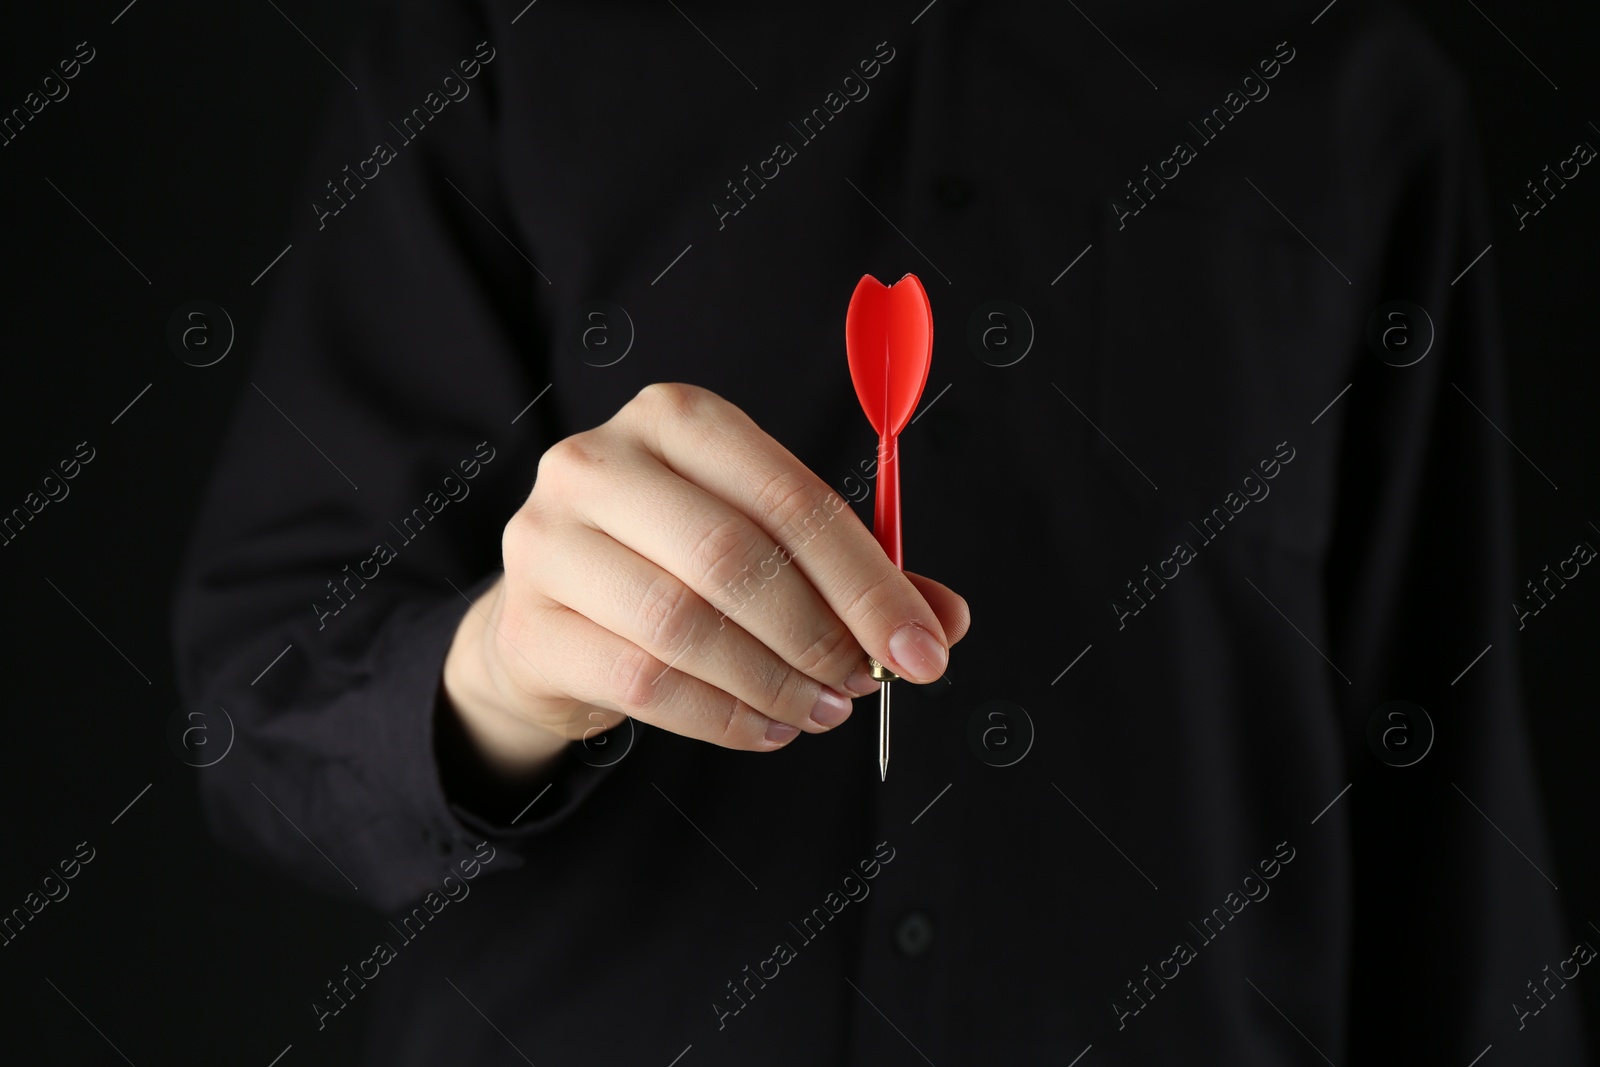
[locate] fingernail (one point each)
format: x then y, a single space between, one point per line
831 710
781 733
862 682
917 653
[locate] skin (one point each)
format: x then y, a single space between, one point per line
663 569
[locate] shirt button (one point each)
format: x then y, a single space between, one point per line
914 935
953 193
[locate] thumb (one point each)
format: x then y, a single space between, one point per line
950 606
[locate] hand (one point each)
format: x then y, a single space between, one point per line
679 566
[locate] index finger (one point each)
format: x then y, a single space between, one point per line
712 443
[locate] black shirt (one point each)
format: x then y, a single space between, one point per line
1205 530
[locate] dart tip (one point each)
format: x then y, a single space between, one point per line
883 732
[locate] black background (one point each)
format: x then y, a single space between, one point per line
183 142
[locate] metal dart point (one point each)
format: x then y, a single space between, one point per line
883 674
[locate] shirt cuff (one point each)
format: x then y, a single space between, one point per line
411 665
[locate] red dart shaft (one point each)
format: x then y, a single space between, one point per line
888 341
886 508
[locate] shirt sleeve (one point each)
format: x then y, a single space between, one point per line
380 442
1420 582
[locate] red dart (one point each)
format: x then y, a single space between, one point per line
888 334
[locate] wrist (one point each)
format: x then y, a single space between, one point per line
503 743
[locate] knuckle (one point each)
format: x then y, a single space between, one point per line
783 687
667 614
513 542
569 456
635 678
519 636
519 539
525 543
722 553
671 399
788 501
733 711
521 677
830 654
863 605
